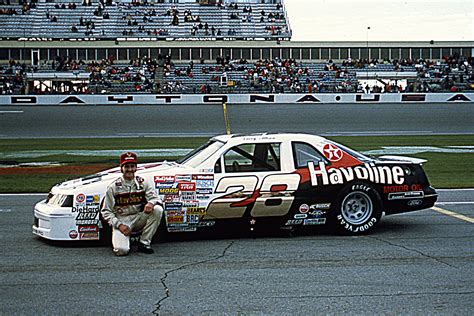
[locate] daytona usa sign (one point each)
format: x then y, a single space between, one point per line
157 99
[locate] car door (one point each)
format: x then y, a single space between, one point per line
250 181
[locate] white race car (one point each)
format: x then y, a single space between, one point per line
255 180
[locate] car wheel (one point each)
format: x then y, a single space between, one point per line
357 210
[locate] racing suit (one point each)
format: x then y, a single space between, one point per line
123 204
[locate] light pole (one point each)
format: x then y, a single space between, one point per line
368 52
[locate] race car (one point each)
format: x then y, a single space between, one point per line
283 180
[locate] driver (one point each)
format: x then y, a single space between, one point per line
131 205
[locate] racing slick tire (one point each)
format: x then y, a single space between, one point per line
357 210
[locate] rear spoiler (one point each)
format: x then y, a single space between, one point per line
397 159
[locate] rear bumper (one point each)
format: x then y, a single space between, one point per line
409 204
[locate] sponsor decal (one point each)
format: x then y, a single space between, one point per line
181 229
204 190
304 208
171 198
163 179
93 199
175 219
414 202
292 222
300 216
89 236
206 170
395 188
176 213
173 206
132 198
317 213
86 209
188 196
168 191
320 206
183 178
206 223
196 210
402 188
332 152
192 219
88 229
86 216
370 172
204 184
187 186
73 234
406 195
203 177
203 197
80 198
314 221
191 203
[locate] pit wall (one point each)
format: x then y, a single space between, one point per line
183 99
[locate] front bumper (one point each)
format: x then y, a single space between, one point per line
54 223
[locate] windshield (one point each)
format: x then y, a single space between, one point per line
200 154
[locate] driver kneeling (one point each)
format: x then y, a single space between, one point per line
131 205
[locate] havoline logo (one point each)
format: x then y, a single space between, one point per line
369 172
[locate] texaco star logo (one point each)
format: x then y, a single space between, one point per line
332 153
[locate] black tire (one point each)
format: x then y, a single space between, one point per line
358 210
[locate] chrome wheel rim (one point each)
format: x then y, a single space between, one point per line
356 208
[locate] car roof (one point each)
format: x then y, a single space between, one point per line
272 137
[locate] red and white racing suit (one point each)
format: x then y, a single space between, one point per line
124 203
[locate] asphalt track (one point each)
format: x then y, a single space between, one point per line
415 263
207 120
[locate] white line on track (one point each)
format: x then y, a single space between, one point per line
11 112
454 203
23 194
452 190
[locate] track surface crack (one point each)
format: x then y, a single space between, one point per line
159 304
413 250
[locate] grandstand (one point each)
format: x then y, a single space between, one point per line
204 46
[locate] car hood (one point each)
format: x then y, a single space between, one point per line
103 178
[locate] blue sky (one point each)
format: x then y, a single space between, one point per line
389 20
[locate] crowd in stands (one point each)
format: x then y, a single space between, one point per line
162 75
141 18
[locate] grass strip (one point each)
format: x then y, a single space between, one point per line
445 170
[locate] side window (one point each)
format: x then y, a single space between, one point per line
217 166
304 153
253 158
